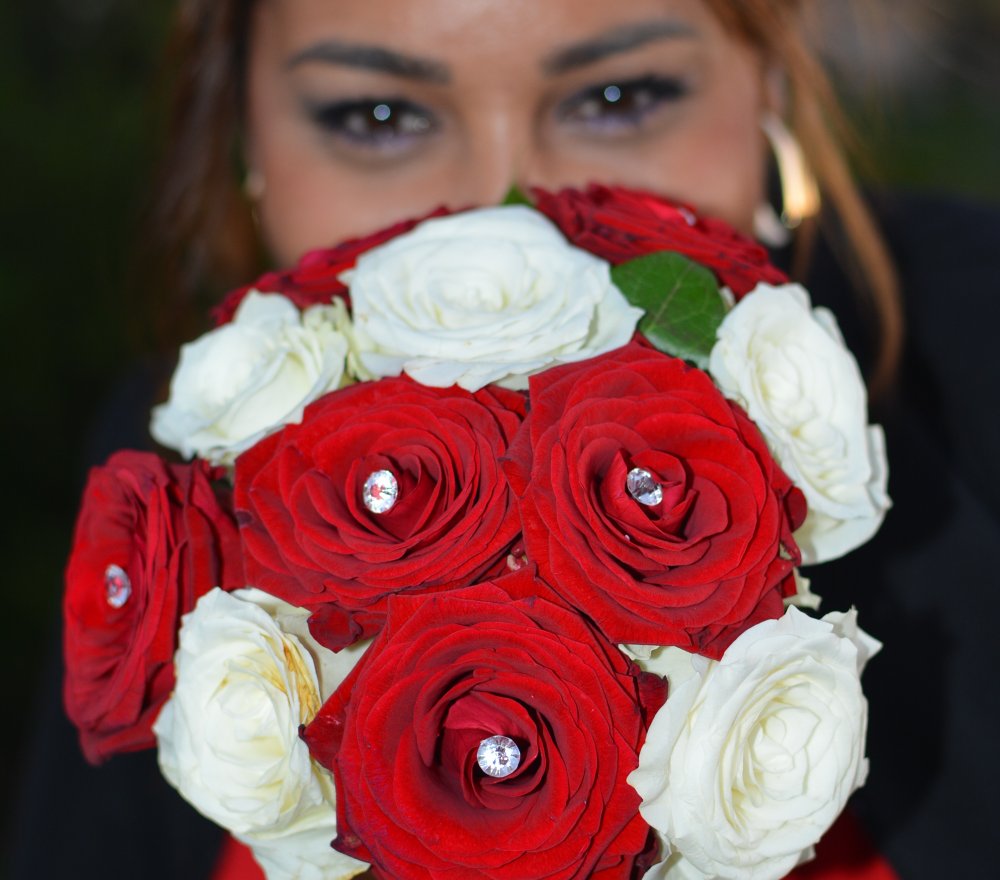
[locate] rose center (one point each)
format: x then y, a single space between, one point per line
380 492
117 586
498 756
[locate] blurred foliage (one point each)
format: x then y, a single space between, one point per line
921 81
77 134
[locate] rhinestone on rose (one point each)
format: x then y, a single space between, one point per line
498 756
381 492
643 487
117 586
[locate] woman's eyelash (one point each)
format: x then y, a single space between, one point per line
390 123
372 121
622 104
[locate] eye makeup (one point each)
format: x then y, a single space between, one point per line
622 105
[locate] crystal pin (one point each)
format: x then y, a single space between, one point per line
498 756
643 487
381 492
117 586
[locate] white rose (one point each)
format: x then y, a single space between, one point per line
245 379
487 296
248 674
753 756
787 365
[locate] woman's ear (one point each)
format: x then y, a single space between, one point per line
254 185
252 178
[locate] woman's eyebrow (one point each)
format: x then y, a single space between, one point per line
622 39
374 58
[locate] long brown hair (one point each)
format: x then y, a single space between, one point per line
203 223
202 237
777 27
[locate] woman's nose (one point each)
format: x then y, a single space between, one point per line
499 150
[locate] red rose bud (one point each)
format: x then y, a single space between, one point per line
150 539
315 280
384 487
620 224
651 503
487 733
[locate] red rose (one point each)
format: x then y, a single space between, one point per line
711 558
315 280
620 224
150 539
450 670
307 533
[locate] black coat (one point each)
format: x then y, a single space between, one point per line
927 586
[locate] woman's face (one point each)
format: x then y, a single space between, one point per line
364 112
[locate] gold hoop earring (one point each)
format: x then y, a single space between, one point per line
800 198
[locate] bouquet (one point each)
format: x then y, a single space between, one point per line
485 560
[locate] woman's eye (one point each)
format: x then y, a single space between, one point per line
384 125
620 106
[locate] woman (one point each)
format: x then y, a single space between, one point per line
347 116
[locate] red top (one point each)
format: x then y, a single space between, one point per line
845 853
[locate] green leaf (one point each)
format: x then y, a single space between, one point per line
681 299
516 196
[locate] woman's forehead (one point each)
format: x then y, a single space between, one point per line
460 28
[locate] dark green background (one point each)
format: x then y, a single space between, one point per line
78 131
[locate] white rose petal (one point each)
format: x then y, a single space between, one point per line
804 596
248 674
487 296
673 664
787 365
250 377
753 756
304 855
